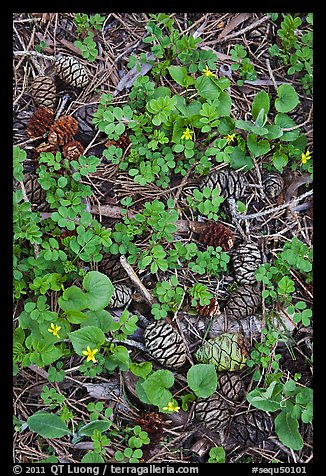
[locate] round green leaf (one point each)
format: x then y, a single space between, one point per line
92 457
73 299
47 425
99 290
101 319
202 379
87 336
287 98
156 385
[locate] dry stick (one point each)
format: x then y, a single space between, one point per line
183 226
286 129
34 53
134 278
247 28
271 75
274 209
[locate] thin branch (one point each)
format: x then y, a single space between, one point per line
134 278
275 209
247 28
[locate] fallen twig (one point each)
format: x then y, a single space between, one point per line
134 278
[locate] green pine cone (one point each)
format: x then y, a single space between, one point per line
229 351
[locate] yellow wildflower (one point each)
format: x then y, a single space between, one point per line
90 354
305 157
208 72
230 138
187 134
171 407
54 330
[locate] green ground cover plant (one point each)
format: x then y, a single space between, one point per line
180 124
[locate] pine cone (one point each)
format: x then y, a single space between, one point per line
243 302
40 122
35 193
63 130
86 128
230 183
213 412
71 71
44 147
273 184
246 260
217 234
122 142
43 91
20 123
110 265
230 385
229 351
73 150
121 295
165 344
251 429
210 310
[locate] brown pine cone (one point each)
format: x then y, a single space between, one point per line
230 182
71 71
20 123
122 142
43 91
111 266
86 128
44 147
246 259
165 344
213 412
211 309
273 184
251 429
230 385
217 234
35 193
243 302
40 122
73 150
63 130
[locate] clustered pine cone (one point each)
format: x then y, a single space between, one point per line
73 150
43 91
210 310
40 122
63 130
217 234
230 183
